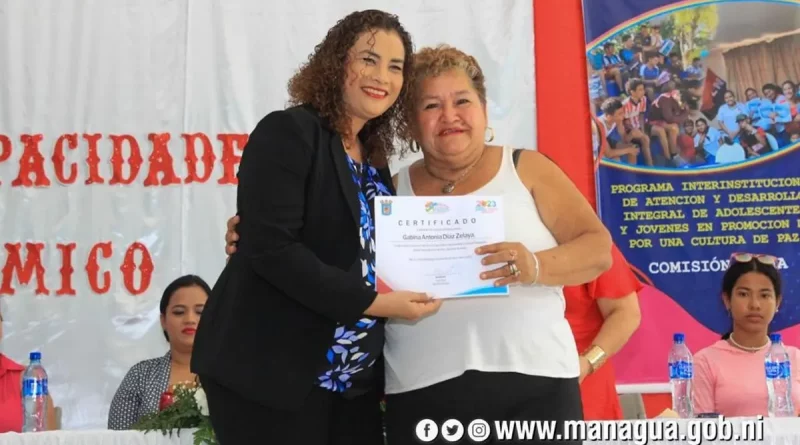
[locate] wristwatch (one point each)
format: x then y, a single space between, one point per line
596 356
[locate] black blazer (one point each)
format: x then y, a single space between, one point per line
272 313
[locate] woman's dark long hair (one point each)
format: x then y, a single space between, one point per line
703 120
737 269
793 98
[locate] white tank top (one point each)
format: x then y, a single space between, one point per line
525 332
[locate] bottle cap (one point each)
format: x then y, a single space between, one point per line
36 355
775 338
678 337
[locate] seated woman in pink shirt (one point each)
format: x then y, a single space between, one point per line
729 376
11 395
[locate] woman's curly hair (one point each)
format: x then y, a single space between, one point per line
320 82
433 62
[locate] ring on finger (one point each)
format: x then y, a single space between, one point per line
513 255
512 267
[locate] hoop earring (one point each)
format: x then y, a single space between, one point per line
491 131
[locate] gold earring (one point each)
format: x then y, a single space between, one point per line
491 132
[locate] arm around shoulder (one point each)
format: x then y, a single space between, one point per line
616 292
584 243
271 202
618 281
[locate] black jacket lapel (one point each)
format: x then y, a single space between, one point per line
345 174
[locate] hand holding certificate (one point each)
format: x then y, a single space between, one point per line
428 244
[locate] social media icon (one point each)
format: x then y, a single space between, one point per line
478 430
452 430
427 431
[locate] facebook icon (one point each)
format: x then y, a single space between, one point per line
427 430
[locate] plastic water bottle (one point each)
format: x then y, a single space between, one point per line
779 379
681 372
34 395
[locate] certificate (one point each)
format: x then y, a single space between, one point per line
427 244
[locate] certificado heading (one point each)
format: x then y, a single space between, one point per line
436 222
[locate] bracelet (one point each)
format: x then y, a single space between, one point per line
596 357
536 265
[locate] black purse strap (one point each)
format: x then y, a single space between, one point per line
515 155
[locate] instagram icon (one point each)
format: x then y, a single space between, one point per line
478 430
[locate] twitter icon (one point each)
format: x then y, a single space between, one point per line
452 430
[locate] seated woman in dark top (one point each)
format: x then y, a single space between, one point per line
140 391
752 139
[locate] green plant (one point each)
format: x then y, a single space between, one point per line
188 410
693 29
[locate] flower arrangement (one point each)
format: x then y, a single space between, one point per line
184 406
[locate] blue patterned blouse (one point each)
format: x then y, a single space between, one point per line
355 349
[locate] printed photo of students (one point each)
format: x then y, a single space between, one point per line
775 112
793 96
612 64
695 70
613 125
728 114
650 72
668 112
635 111
754 140
701 91
707 139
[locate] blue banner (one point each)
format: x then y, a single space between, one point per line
697 121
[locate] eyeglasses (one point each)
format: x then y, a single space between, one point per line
744 257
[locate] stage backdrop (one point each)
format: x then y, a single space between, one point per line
121 127
682 191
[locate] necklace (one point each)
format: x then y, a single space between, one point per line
450 185
348 148
747 348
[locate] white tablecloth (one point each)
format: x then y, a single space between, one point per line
784 431
103 437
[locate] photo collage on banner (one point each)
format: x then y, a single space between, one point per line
696 124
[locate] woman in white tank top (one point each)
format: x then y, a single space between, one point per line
492 358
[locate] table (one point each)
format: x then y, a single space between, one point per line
100 437
783 431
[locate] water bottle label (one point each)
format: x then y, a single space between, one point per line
32 387
773 370
786 370
681 370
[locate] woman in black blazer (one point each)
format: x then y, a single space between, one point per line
289 346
